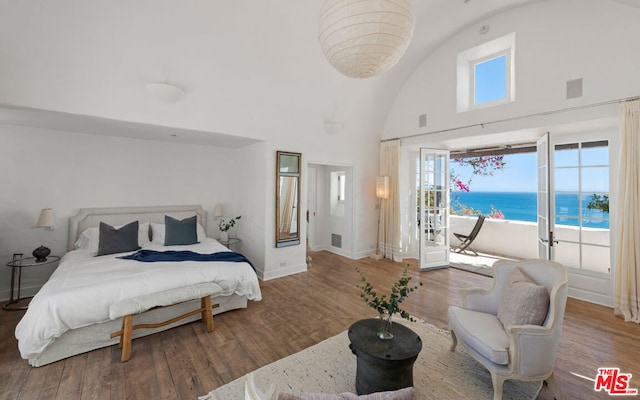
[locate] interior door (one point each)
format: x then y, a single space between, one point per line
544 246
311 207
433 208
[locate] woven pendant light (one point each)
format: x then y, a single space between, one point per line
363 38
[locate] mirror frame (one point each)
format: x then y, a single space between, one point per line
282 241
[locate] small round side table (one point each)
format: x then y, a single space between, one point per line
231 243
16 274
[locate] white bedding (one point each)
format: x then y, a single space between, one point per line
83 287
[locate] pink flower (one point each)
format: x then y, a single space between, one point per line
462 186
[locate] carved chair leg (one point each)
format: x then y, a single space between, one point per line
498 382
551 383
454 340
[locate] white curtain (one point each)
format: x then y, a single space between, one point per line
389 229
627 274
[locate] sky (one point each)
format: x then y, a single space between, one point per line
518 175
520 172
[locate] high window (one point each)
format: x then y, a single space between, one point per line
490 80
486 74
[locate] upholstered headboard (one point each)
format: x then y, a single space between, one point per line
91 217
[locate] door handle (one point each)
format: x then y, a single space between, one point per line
552 240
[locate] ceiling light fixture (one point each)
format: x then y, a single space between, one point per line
165 92
365 38
484 29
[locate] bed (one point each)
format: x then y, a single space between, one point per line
74 311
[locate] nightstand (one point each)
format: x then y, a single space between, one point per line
232 243
16 274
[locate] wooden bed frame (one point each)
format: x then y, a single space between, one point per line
93 337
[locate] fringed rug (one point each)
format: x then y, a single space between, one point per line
330 367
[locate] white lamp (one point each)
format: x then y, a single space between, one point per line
47 221
382 192
217 211
382 187
365 38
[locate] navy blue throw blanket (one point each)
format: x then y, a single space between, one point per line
185 255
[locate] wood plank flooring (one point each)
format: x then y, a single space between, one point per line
296 312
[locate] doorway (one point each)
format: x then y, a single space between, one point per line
330 202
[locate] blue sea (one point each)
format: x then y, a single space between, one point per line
522 206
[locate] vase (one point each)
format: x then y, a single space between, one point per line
224 236
41 254
384 328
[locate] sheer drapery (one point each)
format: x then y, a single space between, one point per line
389 229
627 276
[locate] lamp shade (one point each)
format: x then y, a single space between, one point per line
382 187
46 219
217 212
365 38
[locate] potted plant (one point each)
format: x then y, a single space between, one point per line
385 305
224 227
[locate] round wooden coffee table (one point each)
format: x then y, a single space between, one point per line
383 365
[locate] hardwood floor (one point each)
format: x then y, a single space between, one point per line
296 312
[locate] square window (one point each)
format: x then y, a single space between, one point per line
490 80
486 74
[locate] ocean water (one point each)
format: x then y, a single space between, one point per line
523 206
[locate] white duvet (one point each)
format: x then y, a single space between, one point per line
83 287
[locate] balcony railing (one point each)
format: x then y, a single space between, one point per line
519 239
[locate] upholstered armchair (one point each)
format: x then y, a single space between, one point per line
513 329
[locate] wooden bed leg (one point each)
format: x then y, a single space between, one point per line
119 334
125 339
207 317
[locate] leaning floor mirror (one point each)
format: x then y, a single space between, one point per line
287 198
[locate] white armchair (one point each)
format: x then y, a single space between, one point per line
513 351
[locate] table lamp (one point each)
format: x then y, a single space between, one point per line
46 221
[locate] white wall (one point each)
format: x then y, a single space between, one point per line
556 41
250 185
67 171
517 239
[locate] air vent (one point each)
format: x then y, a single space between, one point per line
574 88
422 121
336 240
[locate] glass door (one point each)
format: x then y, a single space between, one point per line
578 207
544 247
433 208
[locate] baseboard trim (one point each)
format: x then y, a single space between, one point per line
280 272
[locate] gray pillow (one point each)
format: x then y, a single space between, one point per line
524 302
180 232
112 240
401 394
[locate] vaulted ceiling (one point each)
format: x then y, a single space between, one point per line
249 68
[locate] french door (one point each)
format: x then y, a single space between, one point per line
433 208
573 211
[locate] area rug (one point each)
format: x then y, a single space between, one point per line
330 367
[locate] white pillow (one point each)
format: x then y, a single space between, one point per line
157 233
90 238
